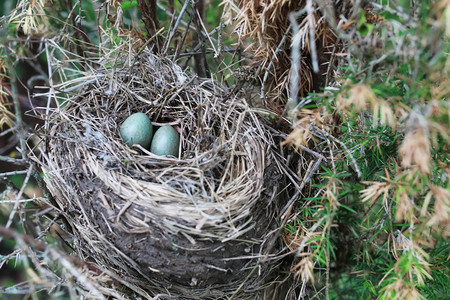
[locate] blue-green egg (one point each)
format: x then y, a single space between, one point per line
166 141
137 129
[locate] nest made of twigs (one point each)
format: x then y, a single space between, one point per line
202 225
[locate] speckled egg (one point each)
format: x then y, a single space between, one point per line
137 129
166 141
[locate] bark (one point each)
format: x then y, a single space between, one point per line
148 10
201 65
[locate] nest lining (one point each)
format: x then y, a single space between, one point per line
199 225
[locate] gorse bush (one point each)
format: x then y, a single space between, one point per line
384 198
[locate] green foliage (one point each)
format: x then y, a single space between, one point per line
439 286
385 196
364 27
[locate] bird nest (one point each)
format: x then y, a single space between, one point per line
201 225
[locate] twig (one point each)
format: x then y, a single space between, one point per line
275 53
331 154
51 90
312 36
188 26
177 23
216 53
20 162
331 62
23 200
67 261
349 154
308 234
328 12
14 93
19 195
327 271
180 45
155 36
170 14
302 185
13 173
294 79
210 52
242 284
6 131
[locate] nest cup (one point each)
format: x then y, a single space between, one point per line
202 225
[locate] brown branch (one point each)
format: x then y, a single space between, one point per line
41 246
201 65
10 160
148 10
10 233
